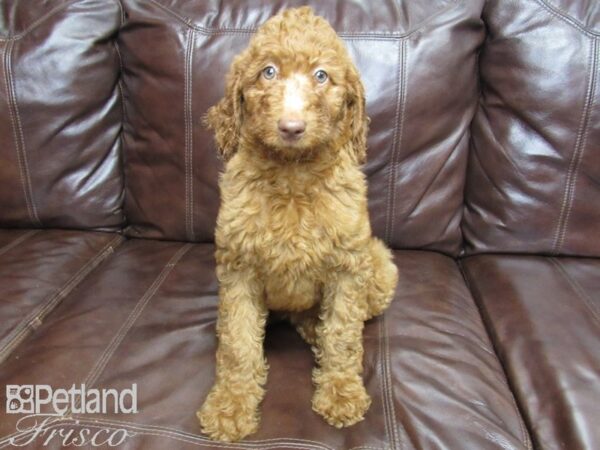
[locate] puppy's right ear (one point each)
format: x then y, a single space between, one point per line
225 118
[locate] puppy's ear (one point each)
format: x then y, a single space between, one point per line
225 118
359 121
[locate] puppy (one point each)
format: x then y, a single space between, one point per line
293 232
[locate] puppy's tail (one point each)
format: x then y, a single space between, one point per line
384 279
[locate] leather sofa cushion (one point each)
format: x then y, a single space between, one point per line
60 115
147 316
533 182
408 56
544 316
37 270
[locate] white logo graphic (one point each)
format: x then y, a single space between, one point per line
35 399
20 399
47 414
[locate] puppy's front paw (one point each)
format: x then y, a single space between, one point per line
228 416
341 399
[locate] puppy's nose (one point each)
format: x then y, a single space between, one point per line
291 129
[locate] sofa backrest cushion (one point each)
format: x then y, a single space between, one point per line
533 181
60 115
418 64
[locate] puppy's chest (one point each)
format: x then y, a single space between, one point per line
293 229
282 229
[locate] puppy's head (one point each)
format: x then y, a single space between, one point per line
292 93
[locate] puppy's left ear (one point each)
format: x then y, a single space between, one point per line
225 118
359 121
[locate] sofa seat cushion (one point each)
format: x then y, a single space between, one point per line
147 316
38 268
544 316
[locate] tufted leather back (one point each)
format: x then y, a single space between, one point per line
533 167
533 184
418 64
60 115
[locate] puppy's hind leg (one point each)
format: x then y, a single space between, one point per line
383 282
306 323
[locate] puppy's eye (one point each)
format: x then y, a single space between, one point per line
269 72
321 76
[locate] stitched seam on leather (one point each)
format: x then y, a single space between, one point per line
21 238
396 443
341 35
587 300
398 145
390 169
367 35
583 145
32 321
114 344
34 318
565 224
565 17
36 23
188 131
18 136
568 195
121 12
295 442
389 227
36 218
380 363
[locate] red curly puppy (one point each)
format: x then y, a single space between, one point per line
293 231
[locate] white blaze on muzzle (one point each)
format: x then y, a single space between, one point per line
294 96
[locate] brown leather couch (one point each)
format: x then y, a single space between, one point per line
484 176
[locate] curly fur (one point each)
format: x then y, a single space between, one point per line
293 231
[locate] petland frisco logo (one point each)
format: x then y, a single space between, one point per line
32 399
47 415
